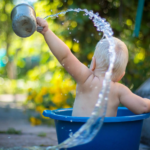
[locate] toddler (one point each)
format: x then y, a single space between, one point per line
89 80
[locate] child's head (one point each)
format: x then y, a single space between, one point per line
101 55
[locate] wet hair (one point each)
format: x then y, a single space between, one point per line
101 55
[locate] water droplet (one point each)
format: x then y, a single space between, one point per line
99 102
97 14
106 98
90 17
92 34
70 120
70 134
69 32
68 28
97 105
93 113
51 10
74 39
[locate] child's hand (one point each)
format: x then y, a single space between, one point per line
43 23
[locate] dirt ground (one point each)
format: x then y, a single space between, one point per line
12 117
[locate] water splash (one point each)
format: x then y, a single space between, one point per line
88 131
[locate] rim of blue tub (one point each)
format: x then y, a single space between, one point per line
53 114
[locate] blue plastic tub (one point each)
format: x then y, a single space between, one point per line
117 133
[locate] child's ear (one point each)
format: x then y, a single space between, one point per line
93 64
121 76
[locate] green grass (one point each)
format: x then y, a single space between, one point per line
42 134
11 131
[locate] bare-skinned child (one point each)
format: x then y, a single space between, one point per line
89 80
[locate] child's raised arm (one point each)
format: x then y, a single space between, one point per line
135 103
61 51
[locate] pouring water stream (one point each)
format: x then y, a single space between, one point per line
88 131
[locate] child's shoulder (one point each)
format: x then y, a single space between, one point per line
121 89
91 82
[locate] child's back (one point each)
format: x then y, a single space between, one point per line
87 96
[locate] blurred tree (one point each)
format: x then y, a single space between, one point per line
5 35
29 58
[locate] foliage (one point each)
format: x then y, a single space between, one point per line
53 97
30 65
59 94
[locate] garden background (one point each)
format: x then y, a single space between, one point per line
28 67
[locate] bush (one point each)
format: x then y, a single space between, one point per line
59 94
